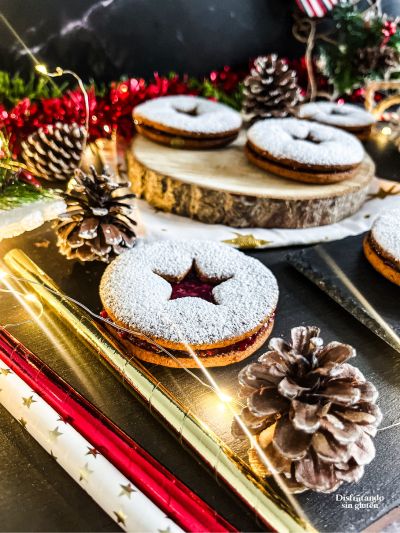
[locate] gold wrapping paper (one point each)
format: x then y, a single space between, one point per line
271 507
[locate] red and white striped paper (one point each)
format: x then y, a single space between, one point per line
316 8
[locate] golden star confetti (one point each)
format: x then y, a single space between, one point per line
127 490
5 371
23 422
121 517
27 402
383 193
246 241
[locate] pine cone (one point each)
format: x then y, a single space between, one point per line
271 90
323 408
54 152
98 223
380 59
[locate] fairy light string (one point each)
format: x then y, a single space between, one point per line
210 382
41 69
32 298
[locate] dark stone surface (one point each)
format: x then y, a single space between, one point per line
104 39
50 497
363 277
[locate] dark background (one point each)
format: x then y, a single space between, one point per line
105 39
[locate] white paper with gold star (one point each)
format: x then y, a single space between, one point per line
112 491
158 225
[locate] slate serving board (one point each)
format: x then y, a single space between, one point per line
383 295
301 302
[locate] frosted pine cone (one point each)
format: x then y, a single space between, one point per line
382 59
271 90
54 152
99 221
314 414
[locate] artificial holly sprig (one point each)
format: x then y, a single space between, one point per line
366 46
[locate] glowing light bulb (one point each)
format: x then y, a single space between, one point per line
386 130
225 398
42 69
2 274
30 297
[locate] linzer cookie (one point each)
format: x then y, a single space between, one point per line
382 245
182 296
348 117
187 122
303 150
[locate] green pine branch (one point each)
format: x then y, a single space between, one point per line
13 192
15 88
19 193
354 34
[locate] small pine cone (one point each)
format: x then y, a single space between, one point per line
321 409
376 59
271 89
54 151
98 223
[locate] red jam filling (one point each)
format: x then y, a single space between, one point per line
239 346
193 286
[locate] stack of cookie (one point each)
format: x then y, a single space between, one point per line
382 245
347 117
303 150
187 122
317 147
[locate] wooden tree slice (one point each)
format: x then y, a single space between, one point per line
222 187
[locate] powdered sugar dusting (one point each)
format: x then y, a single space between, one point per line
133 292
386 233
287 139
211 117
346 115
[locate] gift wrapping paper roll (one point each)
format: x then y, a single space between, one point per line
155 481
111 490
271 508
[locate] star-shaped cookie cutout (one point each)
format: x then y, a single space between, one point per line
194 285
